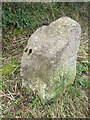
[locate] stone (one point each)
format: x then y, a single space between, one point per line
49 60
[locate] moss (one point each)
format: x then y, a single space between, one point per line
61 80
7 69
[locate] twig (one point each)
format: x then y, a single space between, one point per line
81 57
21 40
11 94
52 12
7 96
15 69
84 42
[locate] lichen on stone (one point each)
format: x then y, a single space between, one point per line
49 59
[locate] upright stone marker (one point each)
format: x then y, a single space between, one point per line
49 59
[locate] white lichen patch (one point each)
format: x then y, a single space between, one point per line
42 89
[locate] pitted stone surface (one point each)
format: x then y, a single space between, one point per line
49 59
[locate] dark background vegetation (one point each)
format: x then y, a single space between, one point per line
20 17
34 15
19 21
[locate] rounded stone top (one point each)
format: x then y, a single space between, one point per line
50 39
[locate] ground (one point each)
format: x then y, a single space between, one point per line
21 102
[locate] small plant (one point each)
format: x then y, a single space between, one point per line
84 83
82 68
9 115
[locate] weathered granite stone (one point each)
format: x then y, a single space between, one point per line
49 59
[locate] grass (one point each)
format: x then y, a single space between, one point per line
22 102
18 101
